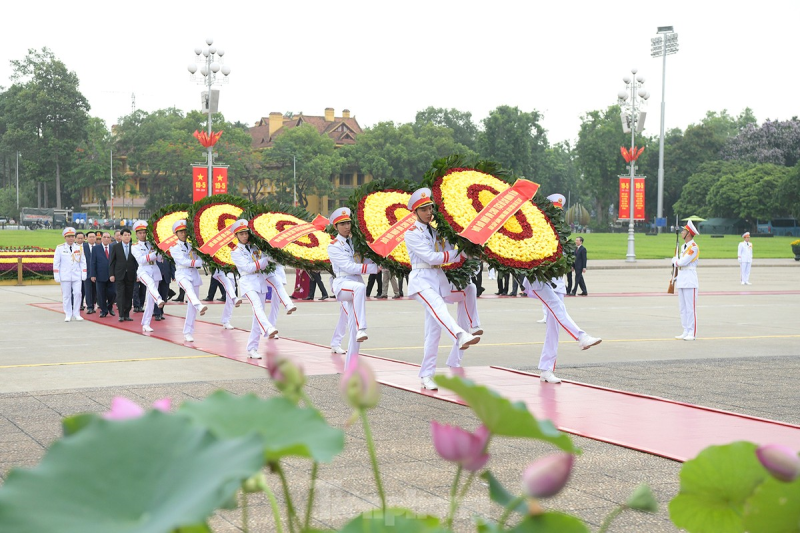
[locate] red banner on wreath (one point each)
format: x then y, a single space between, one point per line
625 198
291 234
215 243
497 212
392 237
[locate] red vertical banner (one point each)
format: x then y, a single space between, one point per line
625 198
199 183
220 180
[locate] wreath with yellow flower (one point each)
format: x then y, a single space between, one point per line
159 227
533 243
209 216
309 252
376 206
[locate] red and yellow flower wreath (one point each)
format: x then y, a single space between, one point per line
309 252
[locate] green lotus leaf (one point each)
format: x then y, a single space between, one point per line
498 493
714 488
504 418
775 506
152 474
393 520
550 523
285 428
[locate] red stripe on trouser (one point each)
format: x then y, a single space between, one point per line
437 316
694 311
355 315
466 307
263 329
156 296
554 315
275 290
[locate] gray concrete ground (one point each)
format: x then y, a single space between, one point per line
745 361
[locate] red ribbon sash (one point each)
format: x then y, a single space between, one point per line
217 242
391 239
168 243
497 212
291 234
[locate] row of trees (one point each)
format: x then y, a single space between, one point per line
721 166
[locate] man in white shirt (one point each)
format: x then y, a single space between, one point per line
745 257
686 283
186 264
69 269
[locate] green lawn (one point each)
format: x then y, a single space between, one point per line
599 245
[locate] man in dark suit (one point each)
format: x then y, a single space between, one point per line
89 292
579 267
100 274
123 266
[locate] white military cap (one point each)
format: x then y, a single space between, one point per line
179 225
340 215
745 234
421 197
239 225
68 231
690 228
558 200
139 225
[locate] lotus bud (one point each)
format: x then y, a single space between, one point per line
460 446
546 477
255 483
781 461
288 377
122 408
359 386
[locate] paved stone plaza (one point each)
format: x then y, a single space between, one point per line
745 360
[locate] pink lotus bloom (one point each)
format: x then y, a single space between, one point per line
460 446
283 371
781 461
359 386
123 408
546 477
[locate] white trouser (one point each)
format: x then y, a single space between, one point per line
279 297
436 318
544 308
72 305
547 361
353 297
194 304
555 306
261 324
745 266
688 305
466 317
341 328
151 297
230 294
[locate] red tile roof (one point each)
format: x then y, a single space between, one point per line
341 130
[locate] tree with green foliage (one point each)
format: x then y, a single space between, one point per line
515 139
559 173
465 131
45 116
91 163
695 198
749 194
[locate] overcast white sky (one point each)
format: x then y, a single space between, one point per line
387 60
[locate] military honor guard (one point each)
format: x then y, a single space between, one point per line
428 285
250 263
745 257
69 269
348 286
148 272
231 300
552 295
340 331
186 264
686 281
279 297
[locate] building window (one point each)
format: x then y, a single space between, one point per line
360 179
345 180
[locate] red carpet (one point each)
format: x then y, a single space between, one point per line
653 425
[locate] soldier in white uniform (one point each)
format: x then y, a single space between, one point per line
341 329
69 269
250 263
277 281
348 287
148 272
186 264
686 282
552 297
745 257
428 285
231 300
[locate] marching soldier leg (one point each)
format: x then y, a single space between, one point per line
352 291
547 361
279 291
555 306
341 329
353 346
261 325
433 334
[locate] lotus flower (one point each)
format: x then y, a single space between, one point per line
287 376
359 386
546 477
781 461
123 408
460 446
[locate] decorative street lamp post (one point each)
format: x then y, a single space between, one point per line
633 122
210 65
662 46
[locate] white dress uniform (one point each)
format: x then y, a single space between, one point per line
250 263
277 280
745 259
69 269
348 286
687 285
428 285
226 281
186 264
148 274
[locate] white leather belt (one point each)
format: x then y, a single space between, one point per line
187 268
422 266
